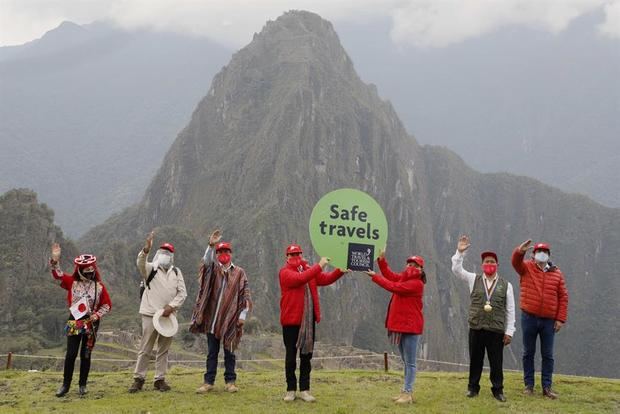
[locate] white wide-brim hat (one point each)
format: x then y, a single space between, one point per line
166 326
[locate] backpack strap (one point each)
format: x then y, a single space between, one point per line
151 276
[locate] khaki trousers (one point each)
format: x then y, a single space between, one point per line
149 336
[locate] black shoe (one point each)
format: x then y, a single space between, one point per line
83 390
136 386
160 385
472 394
62 390
499 397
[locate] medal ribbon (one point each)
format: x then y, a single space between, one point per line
489 290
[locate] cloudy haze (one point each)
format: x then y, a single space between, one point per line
420 23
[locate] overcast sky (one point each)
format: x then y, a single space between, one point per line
419 23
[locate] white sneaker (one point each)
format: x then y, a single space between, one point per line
289 396
306 396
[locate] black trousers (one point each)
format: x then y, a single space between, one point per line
493 343
73 346
230 376
290 334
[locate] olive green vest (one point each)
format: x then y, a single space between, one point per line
491 321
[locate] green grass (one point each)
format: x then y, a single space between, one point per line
336 391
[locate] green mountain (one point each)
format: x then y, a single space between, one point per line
288 120
32 305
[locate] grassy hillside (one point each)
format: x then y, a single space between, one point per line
337 392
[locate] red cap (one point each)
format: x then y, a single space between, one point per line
223 246
488 254
419 260
293 248
167 246
85 260
542 246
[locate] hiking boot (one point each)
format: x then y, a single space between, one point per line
205 388
529 391
549 393
160 385
405 398
82 390
289 396
137 385
306 396
231 387
64 388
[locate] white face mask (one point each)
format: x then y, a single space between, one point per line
163 258
541 256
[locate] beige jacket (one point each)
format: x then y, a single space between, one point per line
166 288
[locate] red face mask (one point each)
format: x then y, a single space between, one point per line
295 261
412 272
489 269
223 258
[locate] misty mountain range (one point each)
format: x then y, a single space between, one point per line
102 106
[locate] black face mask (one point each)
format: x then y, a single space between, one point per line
88 275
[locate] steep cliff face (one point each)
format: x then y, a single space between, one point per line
32 305
289 120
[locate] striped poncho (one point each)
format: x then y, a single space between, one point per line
235 298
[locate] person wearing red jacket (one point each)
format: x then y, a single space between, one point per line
544 309
300 310
405 319
88 302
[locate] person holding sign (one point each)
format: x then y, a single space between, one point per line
544 308
491 318
300 310
164 289
405 319
88 302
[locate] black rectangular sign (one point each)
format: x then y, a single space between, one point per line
360 257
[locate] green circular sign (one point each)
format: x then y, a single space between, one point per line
349 227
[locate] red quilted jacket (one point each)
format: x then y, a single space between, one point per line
543 293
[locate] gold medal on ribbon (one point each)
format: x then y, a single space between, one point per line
488 307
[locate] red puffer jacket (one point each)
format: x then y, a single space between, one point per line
293 287
405 309
543 293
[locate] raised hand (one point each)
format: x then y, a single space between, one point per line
381 253
324 261
56 252
525 246
215 237
463 243
148 243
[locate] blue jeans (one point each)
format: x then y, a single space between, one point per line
408 347
532 327
229 362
